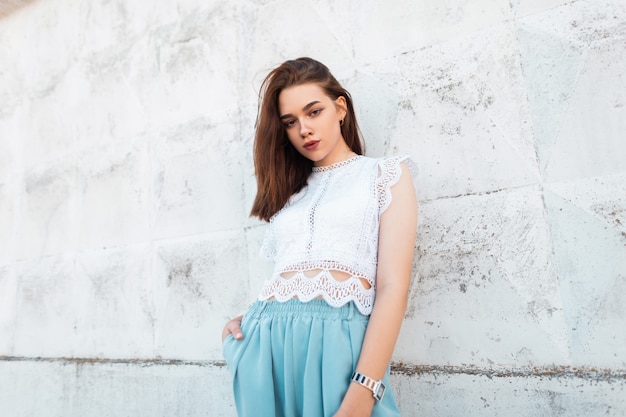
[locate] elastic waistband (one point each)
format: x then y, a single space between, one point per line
314 308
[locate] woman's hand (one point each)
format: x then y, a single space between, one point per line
358 402
233 327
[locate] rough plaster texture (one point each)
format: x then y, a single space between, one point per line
126 179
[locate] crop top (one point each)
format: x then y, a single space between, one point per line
331 225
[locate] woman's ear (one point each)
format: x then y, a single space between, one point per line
342 106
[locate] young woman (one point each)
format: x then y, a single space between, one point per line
319 339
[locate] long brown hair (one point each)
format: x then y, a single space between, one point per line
280 169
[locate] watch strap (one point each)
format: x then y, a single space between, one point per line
377 387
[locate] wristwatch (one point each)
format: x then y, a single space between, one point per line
377 387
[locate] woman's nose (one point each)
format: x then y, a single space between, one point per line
305 130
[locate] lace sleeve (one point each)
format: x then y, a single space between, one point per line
268 247
389 171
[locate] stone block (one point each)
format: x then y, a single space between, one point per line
156 390
48 207
8 221
8 309
551 67
40 57
115 311
105 389
197 180
194 62
114 200
485 289
45 323
521 8
577 120
467 394
590 141
35 388
417 25
199 283
9 143
271 30
589 243
471 115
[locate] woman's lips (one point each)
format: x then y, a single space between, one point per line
310 145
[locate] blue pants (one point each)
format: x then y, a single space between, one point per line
296 359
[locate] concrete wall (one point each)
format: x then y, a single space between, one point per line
126 179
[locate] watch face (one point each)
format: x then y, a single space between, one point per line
380 392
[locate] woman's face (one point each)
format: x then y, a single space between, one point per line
311 120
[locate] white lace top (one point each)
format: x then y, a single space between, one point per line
332 225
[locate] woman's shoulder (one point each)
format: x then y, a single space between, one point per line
390 170
391 165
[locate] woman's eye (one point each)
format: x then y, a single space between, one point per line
289 123
316 112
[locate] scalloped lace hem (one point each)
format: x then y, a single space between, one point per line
336 293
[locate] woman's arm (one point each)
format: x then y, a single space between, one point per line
395 260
